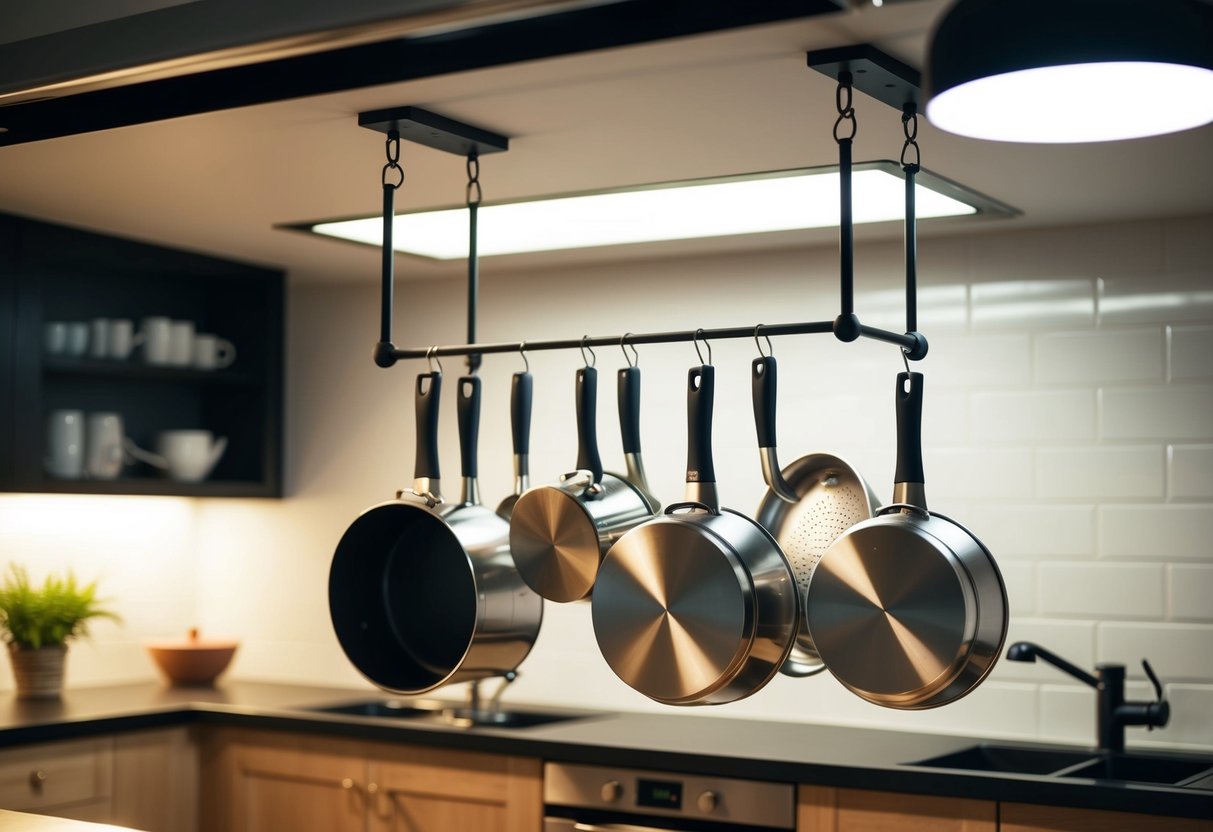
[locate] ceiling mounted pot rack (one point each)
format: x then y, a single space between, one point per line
860 67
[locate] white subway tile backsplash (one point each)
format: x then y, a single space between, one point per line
1156 298
978 361
1191 352
1088 473
1190 468
1163 532
1170 412
1190 591
1103 356
1034 417
1191 706
1034 531
1067 714
978 473
1020 580
1177 652
1032 304
1101 590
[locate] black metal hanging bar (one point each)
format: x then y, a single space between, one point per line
474 198
846 327
911 162
393 178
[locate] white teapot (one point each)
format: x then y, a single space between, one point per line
187 455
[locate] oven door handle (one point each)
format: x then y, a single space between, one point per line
615 827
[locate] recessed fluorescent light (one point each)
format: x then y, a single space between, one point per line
782 201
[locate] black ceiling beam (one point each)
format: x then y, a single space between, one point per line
581 30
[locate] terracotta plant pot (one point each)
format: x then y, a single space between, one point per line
39 673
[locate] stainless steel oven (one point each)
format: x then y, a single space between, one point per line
580 798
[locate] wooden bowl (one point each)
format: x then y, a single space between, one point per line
193 662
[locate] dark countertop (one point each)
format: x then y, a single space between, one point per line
775 751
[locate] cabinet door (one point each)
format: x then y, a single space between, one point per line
278 783
428 790
156 781
1022 817
66 779
824 809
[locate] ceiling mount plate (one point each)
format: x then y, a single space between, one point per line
876 73
432 130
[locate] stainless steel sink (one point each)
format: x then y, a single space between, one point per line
1162 768
432 712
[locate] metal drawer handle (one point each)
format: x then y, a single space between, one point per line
36 779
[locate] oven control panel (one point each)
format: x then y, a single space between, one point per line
628 791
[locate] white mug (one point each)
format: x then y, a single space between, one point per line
156 333
65 444
122 338
181 343
77 338
98 344
212 352
54 337
104 453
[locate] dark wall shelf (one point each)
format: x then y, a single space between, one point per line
54 273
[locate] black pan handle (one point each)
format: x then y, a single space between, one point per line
426 400
763 377
520 414
701 391
587 423
909 428
469 422
629 409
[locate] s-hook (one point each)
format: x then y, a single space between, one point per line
431 358
770 349
522 351
634 359
593 359
700 337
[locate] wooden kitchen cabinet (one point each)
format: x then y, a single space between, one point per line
266 781
145 780
1024 817
53 273
827 809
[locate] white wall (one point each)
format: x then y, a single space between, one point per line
1069 423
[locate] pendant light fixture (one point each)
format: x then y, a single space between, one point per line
1063 71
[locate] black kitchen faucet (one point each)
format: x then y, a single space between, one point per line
1113 713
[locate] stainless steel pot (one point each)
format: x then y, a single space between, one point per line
807 505
560 533
423 593
908 610
697 606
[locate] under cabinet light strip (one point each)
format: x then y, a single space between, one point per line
751 204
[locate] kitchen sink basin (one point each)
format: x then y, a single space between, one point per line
1141 769
443 713
1165 769
1009 759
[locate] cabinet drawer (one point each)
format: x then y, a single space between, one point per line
39 777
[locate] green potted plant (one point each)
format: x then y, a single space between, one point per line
37 622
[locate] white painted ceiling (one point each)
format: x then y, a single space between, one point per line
718 104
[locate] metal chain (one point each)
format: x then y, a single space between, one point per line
392 168
474 194
909 126
846 112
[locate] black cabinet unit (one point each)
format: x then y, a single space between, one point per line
51 273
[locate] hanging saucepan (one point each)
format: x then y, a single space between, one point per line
520 429
423 593
697 606
808 505
908 610
559 533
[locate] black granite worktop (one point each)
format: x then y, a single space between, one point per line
755 749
